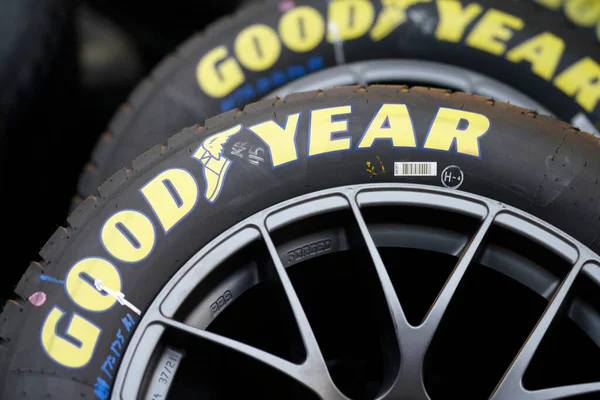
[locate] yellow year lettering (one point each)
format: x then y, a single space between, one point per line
392 122
322 127
454 19
128 236
302 29
349 19
446 129
543 51
172 195
581 80
64 351
217 74
80 283
280 140
493 30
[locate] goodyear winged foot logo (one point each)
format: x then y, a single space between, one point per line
215 164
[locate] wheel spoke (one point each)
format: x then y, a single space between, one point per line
314 369
401 323
437 310
308 337
284 366
562 392
257 257
511 383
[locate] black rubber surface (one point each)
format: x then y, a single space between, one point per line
582 14
38 122
157 29
534 163
171 98
32 36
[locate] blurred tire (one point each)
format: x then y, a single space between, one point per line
38 100
34 35
158 28
264 46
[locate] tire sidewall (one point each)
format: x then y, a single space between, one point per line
530 162
159 110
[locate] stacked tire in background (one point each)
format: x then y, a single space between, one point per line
70 324
225 67
38 61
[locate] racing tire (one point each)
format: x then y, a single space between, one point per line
531 49
150 219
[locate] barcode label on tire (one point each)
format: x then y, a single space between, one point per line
415 169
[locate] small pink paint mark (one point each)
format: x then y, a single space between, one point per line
37 299
286 5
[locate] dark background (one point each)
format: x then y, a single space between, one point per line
109 47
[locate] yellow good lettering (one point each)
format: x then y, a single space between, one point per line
493 30
280 140
392 16
217 74
80 283
64 351
446 129
392 122
302 29
349 19
172 195
128 236
581 80
322 127
257 47
552 4
454 19
543 51
584 13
